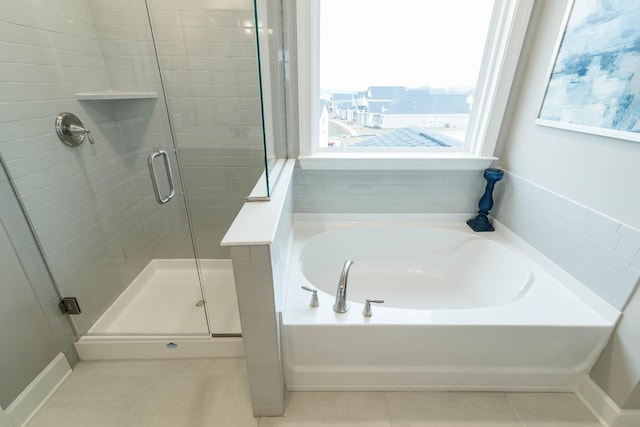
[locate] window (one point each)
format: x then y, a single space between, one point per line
396 80
400 74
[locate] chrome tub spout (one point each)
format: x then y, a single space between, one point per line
341 306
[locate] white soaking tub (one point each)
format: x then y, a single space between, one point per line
462 310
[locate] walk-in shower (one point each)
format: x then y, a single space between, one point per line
171 93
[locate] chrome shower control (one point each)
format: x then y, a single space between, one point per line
367 306
314 298
71 131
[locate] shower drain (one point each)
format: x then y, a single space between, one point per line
199 303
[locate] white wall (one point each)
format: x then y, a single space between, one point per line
617 371
28 343
601 173
597 172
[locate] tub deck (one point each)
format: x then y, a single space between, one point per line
547 339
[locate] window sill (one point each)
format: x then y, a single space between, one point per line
395 161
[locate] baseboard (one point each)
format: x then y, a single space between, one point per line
25 406
385 378
605 409
4 419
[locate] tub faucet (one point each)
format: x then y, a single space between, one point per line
341 306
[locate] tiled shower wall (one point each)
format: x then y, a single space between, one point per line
49 51
599 251
92 206
207 52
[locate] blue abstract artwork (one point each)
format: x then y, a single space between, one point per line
595 80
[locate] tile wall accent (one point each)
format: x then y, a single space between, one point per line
260 327
280 249
599 251
387 191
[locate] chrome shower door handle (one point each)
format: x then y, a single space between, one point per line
154 178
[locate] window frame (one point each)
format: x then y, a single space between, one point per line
507 29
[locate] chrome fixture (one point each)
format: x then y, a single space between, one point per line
314 298
154 178
367 307
71 131
341 306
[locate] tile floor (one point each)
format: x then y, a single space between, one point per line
214 392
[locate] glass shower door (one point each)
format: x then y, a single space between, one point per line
164 294
208 59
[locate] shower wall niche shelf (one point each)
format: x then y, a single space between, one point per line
114 95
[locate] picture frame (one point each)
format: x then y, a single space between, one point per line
592 85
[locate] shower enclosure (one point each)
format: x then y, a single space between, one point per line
130 222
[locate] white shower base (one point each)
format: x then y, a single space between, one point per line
160 315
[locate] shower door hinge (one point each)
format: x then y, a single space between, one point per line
69 305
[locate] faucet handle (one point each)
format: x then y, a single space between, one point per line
314 298
367 306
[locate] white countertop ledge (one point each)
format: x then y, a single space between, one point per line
257 222
436 160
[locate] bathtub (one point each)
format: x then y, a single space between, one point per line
462 310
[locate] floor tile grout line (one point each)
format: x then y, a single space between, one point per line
386 404
139 398
521 420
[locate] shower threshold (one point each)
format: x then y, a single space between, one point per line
161 315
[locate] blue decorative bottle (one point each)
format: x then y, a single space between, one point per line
481 221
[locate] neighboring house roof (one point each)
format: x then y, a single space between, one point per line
379 107
421 102
409 137
342 97
385 92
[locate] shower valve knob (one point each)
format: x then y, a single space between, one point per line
314 298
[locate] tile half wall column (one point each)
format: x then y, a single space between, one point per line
260 328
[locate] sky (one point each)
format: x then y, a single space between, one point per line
412 43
